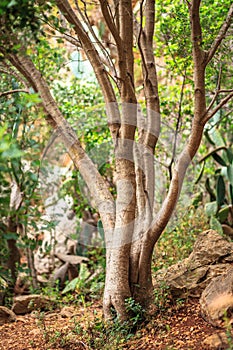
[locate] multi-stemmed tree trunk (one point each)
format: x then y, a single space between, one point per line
130 224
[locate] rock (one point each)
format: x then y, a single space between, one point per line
6 315
227 230
72 259
27 303
212 255
217 300
216 341
3 287
209 248
67 311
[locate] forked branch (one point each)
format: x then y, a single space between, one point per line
221 104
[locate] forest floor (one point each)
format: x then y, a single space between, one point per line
179 326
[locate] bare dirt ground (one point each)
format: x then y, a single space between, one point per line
178 327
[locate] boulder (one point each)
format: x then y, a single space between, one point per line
217 300
27 303
6 315
212 255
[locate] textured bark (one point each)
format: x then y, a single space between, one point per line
13 260
130 224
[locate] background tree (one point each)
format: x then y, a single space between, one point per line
130 224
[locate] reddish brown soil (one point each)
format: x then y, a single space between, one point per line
179 327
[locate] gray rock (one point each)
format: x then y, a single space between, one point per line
209 248
26 303
212 255
6 315
217 300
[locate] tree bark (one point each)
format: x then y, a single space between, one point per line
14 254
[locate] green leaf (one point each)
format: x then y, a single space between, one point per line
197 199
100 229
230 173
210 190
11 235
216 137
206 133
84 273
231 192
223 214
211 208
219 159
229 155
12 3
215 225
71 286
221 191
201 173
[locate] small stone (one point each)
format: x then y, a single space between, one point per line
6 315
27 303
67 311
216 341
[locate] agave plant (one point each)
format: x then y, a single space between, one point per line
219 209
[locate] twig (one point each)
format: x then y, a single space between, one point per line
212 152
177 126
5 93
216 92
208 116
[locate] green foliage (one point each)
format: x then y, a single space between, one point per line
97 334
18 17
173 35
219 185
136 312
177 241
162 297
19 14
19 153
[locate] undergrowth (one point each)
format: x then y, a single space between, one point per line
178 238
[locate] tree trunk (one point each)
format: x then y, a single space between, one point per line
14 254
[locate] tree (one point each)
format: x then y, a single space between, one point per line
130 225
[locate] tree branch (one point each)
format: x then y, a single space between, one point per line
97 185
110 23
199 61
217 90
5 93
178 122
8 70
196 31
85 19
221 35
89 48
126 34
97 64
207 116
212 152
